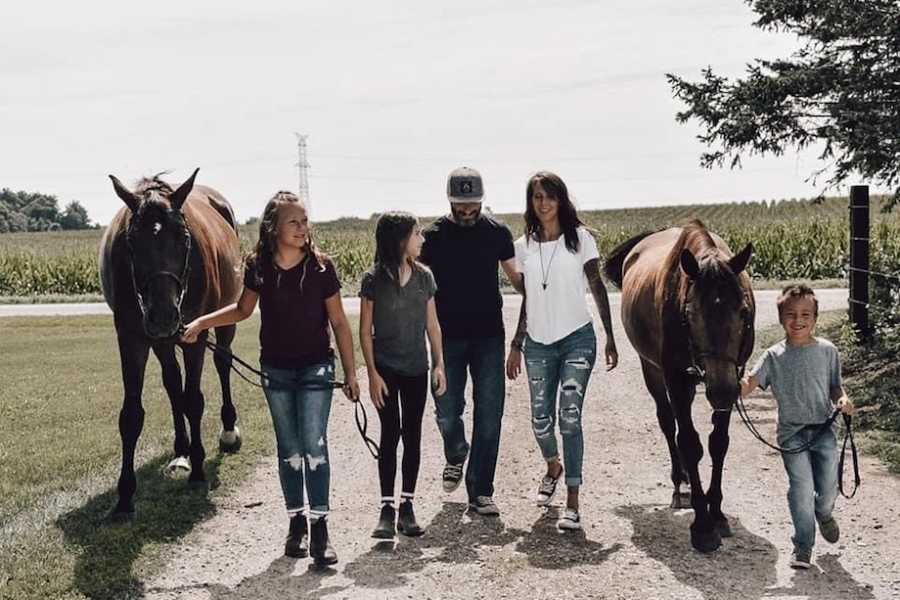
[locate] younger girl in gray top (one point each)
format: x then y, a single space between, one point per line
396 311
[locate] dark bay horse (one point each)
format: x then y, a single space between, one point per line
688 310
167 257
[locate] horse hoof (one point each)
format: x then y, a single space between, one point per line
178 467
723 528
681 500
118 517
230 441
706 541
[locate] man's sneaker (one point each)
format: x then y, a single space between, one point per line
800 559
484 506
452 476
830 530
570 521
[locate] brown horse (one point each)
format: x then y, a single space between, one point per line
166 258
688 310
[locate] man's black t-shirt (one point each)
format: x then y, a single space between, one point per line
464 261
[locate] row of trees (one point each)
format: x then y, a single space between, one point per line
24 211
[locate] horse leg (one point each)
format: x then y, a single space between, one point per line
718 448
230 437
171 374
704 536
656 384
133 353
194 404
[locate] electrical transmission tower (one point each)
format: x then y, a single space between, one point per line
303 171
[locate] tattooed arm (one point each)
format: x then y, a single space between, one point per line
598 290
514 360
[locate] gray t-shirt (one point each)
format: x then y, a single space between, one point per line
802 380
399 318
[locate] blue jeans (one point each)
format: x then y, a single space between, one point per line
300 403
484 359
570 361
812 483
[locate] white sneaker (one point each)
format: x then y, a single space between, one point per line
570 521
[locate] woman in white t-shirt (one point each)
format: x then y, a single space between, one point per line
559 260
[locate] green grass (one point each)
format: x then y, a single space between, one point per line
60 452
871 379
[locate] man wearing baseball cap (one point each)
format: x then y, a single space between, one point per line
463 250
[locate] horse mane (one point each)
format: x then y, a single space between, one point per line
154 183
696 238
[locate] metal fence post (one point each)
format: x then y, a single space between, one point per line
859 258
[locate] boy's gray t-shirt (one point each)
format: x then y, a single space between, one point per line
802 379
399 318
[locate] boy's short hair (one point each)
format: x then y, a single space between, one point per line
797 290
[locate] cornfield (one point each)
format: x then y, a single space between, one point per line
794 239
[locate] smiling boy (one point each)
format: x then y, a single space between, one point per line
805 374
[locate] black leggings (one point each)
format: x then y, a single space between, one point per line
413 393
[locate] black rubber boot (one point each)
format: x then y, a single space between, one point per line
406 523
319 545
385 528
297 543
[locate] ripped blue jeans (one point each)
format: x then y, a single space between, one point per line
564 366
300 404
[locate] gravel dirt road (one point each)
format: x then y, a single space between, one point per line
633 546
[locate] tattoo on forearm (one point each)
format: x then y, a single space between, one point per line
598 291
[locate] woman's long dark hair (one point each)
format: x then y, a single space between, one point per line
264 251
569 222
391 234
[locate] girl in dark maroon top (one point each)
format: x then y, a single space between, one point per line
299 296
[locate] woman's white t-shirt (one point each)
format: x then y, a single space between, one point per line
561 308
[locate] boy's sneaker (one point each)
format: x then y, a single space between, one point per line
570 521
452 476
800 559
830 530
484 506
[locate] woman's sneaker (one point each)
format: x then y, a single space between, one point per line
452 476
801 559
570 521
546 489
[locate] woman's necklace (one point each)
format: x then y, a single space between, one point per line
546 275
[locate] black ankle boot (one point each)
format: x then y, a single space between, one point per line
385 528
406 523
319 545
297 543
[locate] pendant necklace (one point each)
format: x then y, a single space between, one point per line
546 276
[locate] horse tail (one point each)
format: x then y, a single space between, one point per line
616 259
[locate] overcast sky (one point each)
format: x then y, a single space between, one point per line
393 96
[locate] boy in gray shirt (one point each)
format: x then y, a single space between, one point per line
805 374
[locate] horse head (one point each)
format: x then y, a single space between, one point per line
718 313
159 249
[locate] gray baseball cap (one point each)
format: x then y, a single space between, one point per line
464 185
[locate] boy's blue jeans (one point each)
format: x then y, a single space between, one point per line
300 403
812 483
566 363
483 358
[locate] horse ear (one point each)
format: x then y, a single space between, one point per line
689 264
125 194
180 195
739 262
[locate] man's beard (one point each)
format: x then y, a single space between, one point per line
465 219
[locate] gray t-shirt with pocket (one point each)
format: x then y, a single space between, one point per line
399 318
802 379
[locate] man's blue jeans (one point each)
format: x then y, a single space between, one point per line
300 403
484 359
565 364
812 483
